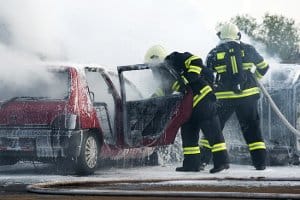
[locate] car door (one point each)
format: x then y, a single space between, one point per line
151 120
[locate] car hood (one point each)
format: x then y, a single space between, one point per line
21 113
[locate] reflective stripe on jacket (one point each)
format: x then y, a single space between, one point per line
224 62
191 77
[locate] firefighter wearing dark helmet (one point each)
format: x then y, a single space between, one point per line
238 65
195 76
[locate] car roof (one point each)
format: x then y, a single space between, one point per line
79 66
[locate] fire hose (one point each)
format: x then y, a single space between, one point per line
168 188
277 111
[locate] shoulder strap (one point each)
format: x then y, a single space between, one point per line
234 64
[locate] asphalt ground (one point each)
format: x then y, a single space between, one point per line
144 179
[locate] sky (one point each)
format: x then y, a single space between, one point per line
118 32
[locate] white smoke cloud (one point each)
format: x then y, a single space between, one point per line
106 32
31 27
118 32
113 32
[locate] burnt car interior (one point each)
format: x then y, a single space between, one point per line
146 120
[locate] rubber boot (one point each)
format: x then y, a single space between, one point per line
191 163
259 158
205 157
221 161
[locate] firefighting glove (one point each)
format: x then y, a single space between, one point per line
237 89
253 69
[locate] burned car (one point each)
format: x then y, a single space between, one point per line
84 115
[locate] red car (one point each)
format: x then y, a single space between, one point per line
84 115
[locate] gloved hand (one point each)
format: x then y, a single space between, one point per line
237 89
253 69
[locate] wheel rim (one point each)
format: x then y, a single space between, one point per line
91 152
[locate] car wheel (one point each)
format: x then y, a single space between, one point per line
88 159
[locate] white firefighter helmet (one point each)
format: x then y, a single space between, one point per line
229 31
155 54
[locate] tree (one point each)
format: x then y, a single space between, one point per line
278 33
246 23
281 36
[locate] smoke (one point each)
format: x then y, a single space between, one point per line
273 61
105 32
279 75
116 32
108 33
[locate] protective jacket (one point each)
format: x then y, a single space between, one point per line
193 74
233 61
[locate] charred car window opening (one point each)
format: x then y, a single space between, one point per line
133 91
52 84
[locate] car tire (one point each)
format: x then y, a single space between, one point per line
87 161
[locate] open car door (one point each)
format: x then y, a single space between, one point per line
151 120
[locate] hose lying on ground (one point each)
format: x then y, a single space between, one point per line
167 188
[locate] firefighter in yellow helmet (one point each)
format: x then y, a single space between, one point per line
155 54
237 65
154 57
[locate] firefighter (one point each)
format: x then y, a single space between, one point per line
194 75
238 65
154 57
155 54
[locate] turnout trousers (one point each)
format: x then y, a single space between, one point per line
247 114
204 117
